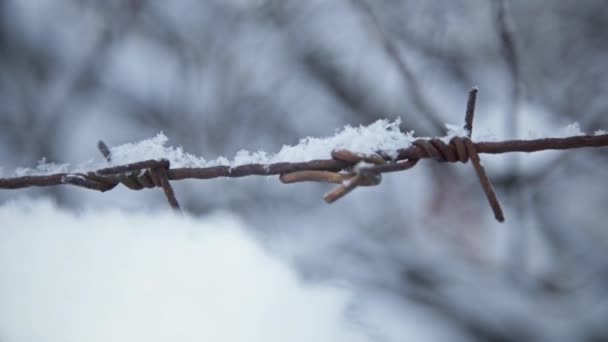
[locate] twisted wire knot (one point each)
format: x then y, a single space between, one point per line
136 176
144 178
457 150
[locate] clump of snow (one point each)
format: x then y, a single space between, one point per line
573 129
454 131
154 148
246 157
43 168
115 276
381 135
570 130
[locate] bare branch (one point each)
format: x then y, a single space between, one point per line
509 50
408 76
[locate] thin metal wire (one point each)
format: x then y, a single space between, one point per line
344 168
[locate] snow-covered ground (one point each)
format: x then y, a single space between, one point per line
118 276
113 275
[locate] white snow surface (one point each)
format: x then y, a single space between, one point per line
43 168
116 276
573 129
454 131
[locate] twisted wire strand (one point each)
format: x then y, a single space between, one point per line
136 176
345 168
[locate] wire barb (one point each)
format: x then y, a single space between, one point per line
468 118
135 176
161 174
105 151
484 180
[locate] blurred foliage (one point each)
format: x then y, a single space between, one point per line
220 75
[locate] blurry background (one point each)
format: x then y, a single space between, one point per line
217 76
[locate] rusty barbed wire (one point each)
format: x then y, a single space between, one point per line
346 168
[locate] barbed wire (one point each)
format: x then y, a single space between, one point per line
346 168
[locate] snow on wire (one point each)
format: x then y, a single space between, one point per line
359 156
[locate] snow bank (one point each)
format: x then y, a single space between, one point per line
113 276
